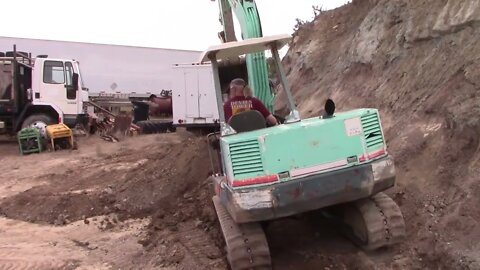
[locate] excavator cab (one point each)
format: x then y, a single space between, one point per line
229 70
334 160
226 66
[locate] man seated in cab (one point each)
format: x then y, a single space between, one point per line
241 101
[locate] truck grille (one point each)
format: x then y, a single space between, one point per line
372 131
246 157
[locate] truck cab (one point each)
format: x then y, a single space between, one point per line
58 83
36 92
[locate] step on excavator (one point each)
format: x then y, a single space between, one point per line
336 162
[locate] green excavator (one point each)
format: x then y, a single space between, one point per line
335 164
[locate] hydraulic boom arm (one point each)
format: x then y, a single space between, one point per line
247 15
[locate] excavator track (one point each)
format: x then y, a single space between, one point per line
246 244
375 222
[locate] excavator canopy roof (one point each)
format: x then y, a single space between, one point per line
252 45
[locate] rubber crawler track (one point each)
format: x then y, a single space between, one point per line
246 244
382 220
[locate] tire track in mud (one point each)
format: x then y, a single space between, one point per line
199 246
8 261
26 246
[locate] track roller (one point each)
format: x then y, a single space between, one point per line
375 222
246 244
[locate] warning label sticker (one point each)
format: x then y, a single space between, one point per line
353 127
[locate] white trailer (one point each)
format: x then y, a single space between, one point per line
193 96
113 68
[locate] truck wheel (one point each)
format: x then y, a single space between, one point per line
40 121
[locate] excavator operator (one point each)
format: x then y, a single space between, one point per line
238 102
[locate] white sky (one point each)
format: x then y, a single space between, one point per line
178 24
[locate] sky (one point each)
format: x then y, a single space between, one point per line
178 24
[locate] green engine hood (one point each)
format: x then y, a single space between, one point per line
297 149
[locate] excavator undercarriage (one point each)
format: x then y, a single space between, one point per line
373 222
370 223
246 244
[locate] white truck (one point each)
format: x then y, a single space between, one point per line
36 92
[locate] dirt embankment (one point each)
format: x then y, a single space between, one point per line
419 63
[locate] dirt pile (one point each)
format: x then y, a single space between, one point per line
159 180
419 63
132 182
161 177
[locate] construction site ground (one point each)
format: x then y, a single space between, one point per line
144 202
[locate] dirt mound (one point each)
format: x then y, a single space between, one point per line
132 182
162 178
418 62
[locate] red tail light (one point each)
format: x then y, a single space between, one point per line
372 155
255 181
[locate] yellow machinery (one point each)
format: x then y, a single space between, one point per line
60 136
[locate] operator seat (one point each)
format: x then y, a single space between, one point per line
247 121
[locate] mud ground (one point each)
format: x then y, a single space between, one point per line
142 203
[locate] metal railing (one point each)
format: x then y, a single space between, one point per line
16 56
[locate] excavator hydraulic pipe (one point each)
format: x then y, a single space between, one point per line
248 17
